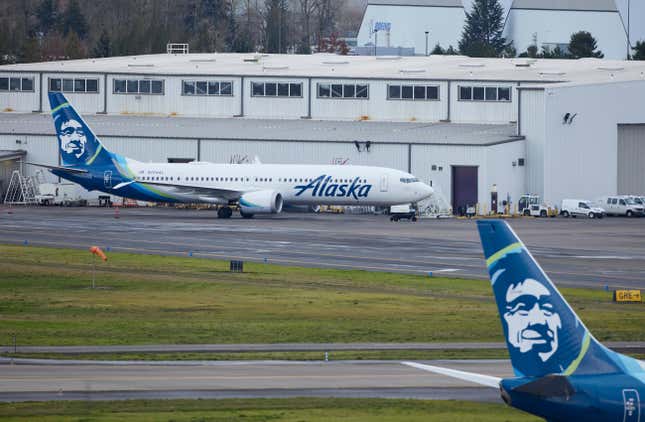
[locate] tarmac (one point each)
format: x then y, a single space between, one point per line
600 253
24 381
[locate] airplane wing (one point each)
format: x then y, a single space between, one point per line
201 191
486 380
63 169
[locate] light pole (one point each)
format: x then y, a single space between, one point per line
427 32
629 42
375 41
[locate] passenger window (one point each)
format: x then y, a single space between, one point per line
614 201
622 202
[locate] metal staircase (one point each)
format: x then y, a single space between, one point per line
22 190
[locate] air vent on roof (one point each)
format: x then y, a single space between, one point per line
252 59
202 61
611 68
552 73
472 65
388 57
525 63
141 65
275 67
410 70
335 62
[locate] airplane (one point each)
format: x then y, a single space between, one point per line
562 373
255 188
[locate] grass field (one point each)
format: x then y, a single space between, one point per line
279 410
45 300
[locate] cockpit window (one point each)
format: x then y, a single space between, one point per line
409 180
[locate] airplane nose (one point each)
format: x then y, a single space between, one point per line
425 191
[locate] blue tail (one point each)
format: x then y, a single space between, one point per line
78 146
543 334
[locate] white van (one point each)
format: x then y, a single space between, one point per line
580 207
621 205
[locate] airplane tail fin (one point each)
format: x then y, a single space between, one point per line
78 145
543 333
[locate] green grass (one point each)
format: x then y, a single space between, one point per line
283 410
142 299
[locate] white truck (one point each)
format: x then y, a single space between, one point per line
580 207
405 211
621 205
58 194
531 205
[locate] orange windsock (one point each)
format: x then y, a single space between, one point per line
98 252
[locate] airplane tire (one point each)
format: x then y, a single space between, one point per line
224 212
245 215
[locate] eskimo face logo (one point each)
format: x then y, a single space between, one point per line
324 186
531 319
72 138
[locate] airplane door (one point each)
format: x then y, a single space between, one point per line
107 179
384 182
632 406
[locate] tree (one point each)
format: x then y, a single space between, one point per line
276 26
74 20
639 51
482 34
438 50
103 47
556 53
73 47
583 44
333 45
47 16
450 51
307 10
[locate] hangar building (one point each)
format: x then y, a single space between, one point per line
557 128
547 23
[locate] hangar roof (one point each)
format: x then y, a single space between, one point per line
11 154
576 5
330 66
271 130
425 3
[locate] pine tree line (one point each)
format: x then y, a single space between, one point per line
39 30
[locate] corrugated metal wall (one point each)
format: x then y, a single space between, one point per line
482 111
21 101
631 159
533 127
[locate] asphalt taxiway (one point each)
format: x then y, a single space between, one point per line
575 252
24 381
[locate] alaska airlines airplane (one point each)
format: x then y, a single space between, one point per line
255 188
562 373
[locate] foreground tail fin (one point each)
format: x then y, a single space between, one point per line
78 145
543 334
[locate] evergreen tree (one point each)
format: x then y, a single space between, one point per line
74 20
556 53
31 51
639 51
73 47
438 50
450 51
103 47
47 16
482 34
583 44
276 26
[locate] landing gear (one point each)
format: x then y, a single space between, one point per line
245 215
224 212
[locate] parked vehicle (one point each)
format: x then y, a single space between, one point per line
532 205
621 205
399 212
580 207
59 194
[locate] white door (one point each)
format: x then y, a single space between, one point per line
384 181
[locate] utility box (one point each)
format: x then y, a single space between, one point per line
237 266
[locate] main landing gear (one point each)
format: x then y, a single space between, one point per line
224 212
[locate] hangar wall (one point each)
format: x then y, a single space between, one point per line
580 158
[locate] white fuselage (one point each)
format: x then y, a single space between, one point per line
298 184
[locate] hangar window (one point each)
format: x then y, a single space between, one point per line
485 93
17 84
413 92
351 91
276 89
139 86
211 88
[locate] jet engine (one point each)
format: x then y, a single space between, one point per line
261 202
